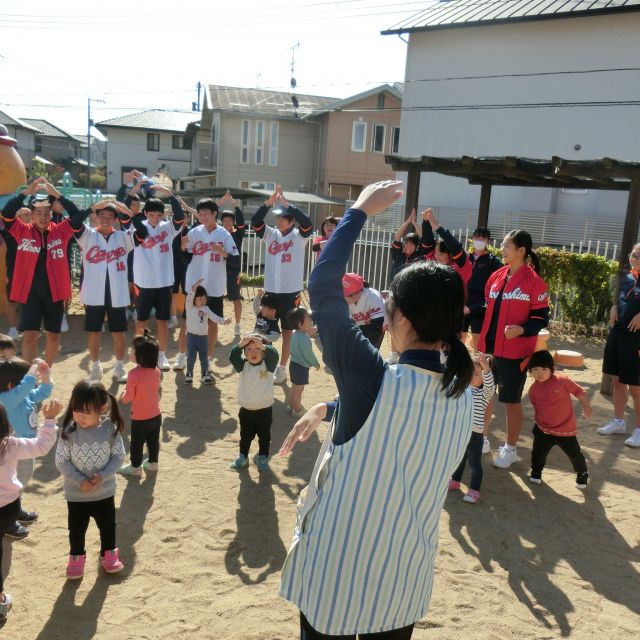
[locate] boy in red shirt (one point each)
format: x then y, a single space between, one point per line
555 420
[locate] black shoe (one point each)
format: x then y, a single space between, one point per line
17 532
27 517
582 480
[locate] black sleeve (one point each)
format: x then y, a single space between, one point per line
240 223
303 220
11 208
141 230
458 254
537 321
178 213
428 241
76 216
122 192
257 222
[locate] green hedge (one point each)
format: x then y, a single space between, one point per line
251 281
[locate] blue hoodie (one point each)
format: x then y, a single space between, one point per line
21 405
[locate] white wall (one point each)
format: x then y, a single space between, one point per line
128 148
551 45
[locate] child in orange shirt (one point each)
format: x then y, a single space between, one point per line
555 420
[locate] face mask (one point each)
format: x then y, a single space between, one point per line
479 245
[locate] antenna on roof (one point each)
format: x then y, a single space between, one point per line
294 99
258 78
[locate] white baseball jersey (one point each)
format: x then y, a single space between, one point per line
284 261
100 256
368 308
153 258
207 264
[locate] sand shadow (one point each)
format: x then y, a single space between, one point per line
535 533
257 546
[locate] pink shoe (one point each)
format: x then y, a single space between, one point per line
472 496
454 485
111 562
75 567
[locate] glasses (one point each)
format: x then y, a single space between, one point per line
634 256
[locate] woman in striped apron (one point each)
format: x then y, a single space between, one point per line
363 551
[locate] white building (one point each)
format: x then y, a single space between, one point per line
150 141
525 78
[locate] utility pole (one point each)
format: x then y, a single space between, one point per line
89 125
199 86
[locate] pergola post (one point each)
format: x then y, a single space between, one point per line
483 208
413 190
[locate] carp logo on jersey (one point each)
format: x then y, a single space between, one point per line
152 241
200 248
96 255
278 247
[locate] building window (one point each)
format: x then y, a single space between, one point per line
359 136
180 142
244 142
381 101
153 142
273 145
259 142
377 140
395 139
38 145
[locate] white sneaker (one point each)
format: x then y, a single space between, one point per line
119 372
173 322
393 358
237 331
279 375
506 457
163 363
181 362
13 333
634 440
96 372
486 446
614 427
64 327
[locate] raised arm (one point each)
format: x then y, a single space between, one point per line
257 221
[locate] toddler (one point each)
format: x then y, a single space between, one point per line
7 347
255 360
143 392
20 395
90 451
555 420
302 357
265 306
482 390
198 315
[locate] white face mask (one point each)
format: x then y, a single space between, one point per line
479 245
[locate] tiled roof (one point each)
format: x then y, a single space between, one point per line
265 102
154 120
45 128
12 121
465 13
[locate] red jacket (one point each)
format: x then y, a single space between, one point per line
524 292
29 240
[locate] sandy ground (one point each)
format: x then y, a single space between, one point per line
203 545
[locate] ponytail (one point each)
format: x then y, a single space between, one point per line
114 415
459 369
535 261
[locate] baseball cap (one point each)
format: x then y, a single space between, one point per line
284 213
352 283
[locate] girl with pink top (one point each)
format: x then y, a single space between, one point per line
11 450
143 392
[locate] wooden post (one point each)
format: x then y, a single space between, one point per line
483 208
413 191
629 236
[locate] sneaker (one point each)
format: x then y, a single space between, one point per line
64 327
181 362
472 496
486 446
634 440
188 379
13 333
5 606
506 457
96 372
104 327
149 466
239 463
163 362
119 373
237 331
279 375
393 358
75 567
111 562
27 517
262 462
173 322
582 479
17 531
454 485
130 470
614 427
535 479
207 379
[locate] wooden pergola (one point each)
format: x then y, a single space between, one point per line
512 171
